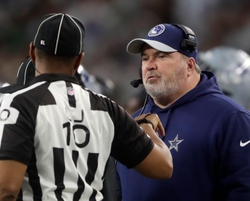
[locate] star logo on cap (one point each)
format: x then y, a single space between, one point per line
174 143
157 30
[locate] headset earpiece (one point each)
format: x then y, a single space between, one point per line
189 42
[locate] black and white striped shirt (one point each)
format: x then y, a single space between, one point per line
65 135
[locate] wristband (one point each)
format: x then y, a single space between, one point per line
140 121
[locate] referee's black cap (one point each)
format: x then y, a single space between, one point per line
25 74
60 34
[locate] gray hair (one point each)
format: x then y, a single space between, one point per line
197 67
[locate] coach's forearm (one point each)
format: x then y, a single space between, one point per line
158 164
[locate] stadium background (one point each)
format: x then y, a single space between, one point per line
111 24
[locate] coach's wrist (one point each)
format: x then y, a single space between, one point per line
145 121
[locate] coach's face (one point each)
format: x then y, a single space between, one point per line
163 73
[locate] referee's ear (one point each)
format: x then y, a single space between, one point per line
32 52
78 60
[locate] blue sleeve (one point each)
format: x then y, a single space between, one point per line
233 146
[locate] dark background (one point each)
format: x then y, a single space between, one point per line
111 24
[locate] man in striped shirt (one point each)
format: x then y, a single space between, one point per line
56 137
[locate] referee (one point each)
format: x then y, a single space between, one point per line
56 137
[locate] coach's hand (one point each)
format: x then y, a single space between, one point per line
153 120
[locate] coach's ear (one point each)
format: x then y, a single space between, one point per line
32 52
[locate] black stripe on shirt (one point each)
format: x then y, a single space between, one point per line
59 172
92 167
34 179
80 183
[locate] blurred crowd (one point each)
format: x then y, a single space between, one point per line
111 24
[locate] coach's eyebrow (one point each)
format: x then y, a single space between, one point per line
154 54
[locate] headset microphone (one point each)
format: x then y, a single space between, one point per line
136 83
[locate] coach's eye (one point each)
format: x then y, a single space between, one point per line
162 55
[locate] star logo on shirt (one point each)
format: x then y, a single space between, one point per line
174 143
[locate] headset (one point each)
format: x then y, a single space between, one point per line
188 43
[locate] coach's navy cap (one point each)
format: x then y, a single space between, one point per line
60 34
25 74
167 38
